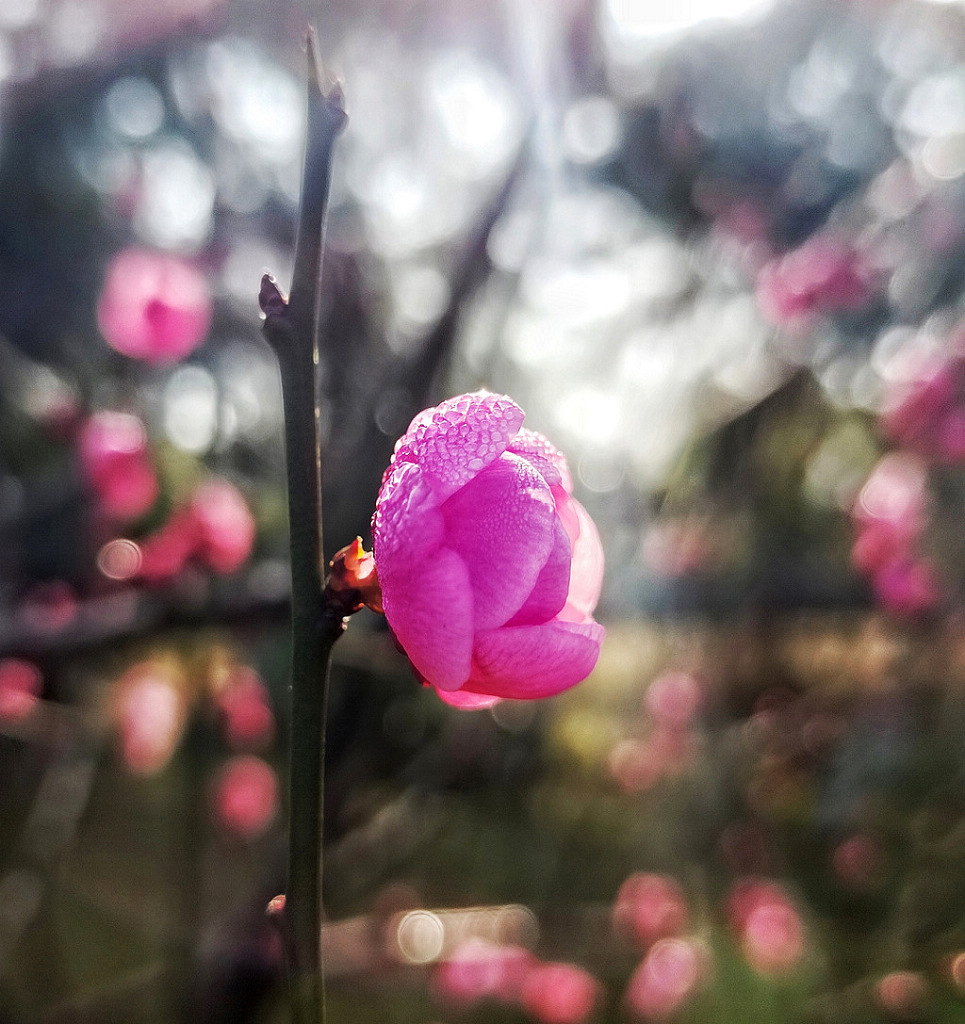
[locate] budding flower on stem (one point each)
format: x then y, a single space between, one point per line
489 568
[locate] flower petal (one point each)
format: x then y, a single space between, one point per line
586 571
548 459
534 661
549 595
432 619
407 526
501 523
456 440
467 701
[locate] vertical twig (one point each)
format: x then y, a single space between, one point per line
291 328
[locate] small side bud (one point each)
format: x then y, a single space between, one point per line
270 298
353 577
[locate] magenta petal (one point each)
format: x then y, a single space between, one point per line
407 526
548 459
549 594
456 440
501 523
534 661
467 701
433 621
586 572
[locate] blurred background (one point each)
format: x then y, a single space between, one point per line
717 251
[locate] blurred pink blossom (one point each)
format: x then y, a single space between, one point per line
20 686
673 699
246 796
151 711
48 607
914 407
245 708
856 861
557 993
650 907
490 569
768 925
823 275
165 552
668 976
215 527
225 525
482 970
154 306
114 455
907 586
901 994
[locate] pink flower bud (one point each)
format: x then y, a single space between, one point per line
246 796
560 993
650 907
490 569
113 452
153 306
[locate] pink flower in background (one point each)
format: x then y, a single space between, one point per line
225 525
20 686
673 699
151 712
215 527
822 275
768 925
246 796
650 907
114 455
560 993
154 306
483 970
489 568
245 709
667 978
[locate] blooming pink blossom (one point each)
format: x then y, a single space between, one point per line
114 454
153 306
489 568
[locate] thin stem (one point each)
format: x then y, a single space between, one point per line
291 328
